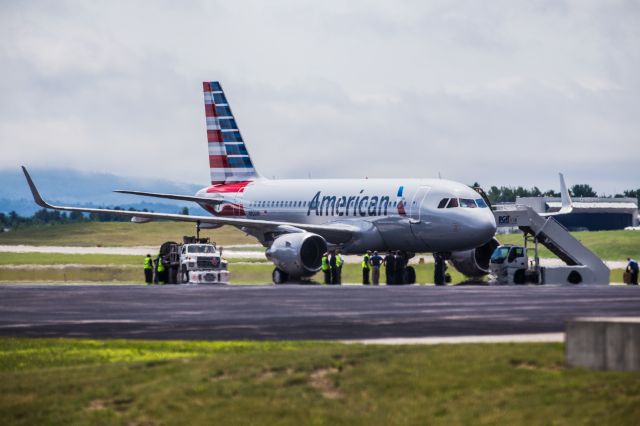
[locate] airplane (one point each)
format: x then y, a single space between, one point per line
298 220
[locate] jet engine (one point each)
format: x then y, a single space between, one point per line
298 254
474 263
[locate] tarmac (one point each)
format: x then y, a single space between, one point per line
404 314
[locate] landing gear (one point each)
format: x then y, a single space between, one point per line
279 276
409 275
440 268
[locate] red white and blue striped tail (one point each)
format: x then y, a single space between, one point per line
229 159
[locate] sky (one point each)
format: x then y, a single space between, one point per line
495 92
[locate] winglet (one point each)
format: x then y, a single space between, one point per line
34 191
565 198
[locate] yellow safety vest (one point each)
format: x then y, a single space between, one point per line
365 262
325 263
160 265
338 261
147 263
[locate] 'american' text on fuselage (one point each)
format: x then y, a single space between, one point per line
332 205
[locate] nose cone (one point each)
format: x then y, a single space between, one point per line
482 227
489 224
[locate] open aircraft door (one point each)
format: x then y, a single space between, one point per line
420 224
415 208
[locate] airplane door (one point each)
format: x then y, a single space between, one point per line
415 210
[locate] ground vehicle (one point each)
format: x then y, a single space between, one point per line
510 264
196 261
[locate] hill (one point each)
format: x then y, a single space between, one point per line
63 186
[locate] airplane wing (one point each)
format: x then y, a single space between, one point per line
337 233
205 200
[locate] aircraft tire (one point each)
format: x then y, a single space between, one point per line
574 277
279 276
409 275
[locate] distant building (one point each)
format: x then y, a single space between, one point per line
592 214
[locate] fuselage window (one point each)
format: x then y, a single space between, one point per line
452 203
443 203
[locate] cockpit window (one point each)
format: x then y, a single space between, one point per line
480 202
443 203
467 202
452 203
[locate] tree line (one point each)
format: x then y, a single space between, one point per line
44 216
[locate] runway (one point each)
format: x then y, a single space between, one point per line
300 312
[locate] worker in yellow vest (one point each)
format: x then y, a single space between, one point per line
366 266
326 269
339 263
148 269
161 271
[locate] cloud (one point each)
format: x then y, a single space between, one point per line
501 93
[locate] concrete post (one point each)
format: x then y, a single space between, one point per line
603 343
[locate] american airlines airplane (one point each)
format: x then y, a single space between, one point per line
298 220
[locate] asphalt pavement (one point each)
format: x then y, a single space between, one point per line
297 312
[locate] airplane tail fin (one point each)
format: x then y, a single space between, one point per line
229 159
565 198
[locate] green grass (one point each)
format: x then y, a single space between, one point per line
608 245
117 234
84 382
67 259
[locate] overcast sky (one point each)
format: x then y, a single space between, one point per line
499 92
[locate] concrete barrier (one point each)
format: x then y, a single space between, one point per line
603 343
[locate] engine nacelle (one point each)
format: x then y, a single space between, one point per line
474 263
298 254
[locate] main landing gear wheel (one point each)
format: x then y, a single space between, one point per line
409 275
279 276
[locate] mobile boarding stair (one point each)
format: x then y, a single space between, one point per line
589 268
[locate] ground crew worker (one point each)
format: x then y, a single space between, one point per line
366 266
399 265
333 264
339 263
326 269
161 271
148 269
389 267
439 269
376 261
632 268
156 278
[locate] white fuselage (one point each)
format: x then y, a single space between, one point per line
391 214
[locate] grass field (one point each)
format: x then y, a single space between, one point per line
85 382
117 234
